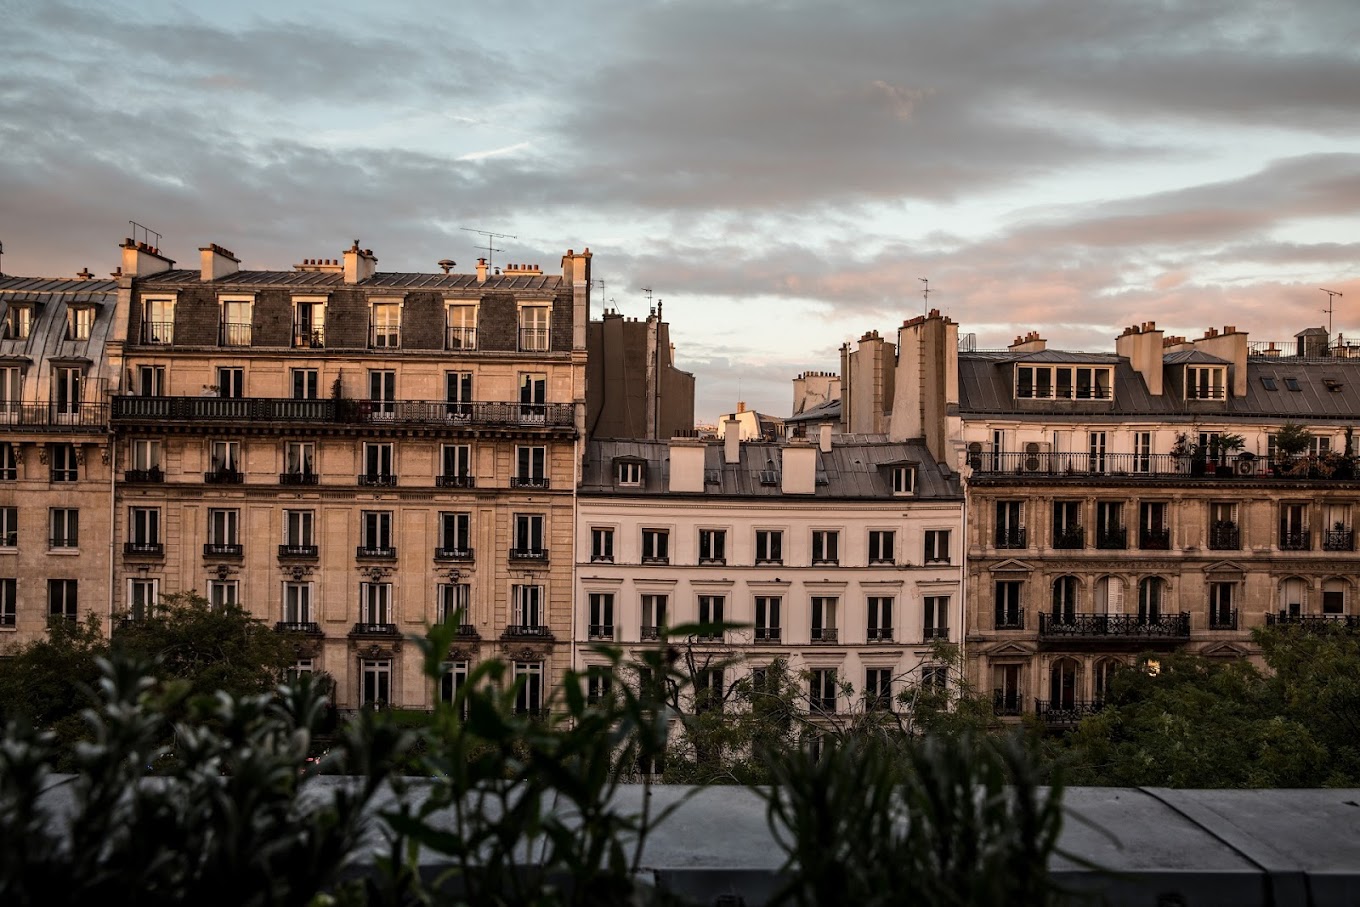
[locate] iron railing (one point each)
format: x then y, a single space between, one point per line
1009 619
1130 626
224 477
309 627
768 634
879 634
1011 538
158 332
533 340
129 409
1338 540
649 633
1064 712
307 336
528 554
144 476
1225 536
373 628
1154 539
54 416
376 552
144 549
235 335
541 482
453 554
1007 703
534 631
1295 540
223 549
932 633
1071 537
600 631
298 478
384 337
461 339
1314 621
1048 463
1112 538
376 479
455 481
298 551
825 634
1221 619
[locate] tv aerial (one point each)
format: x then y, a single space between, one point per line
490 241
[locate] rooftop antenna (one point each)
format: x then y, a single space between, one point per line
604 301
1331 299
490 237
2 258
147 233
648 291
925 294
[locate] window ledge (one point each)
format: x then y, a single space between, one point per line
64 552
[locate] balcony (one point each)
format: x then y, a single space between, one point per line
1080 465
930 634
534 482
376 553
769 561
1010 538
1222 620
825 634
376 480
367 628
600 631
648 633
152 476
254 410
384 337
825 561
144 549
1065 713
1113 538
223 549
1154 539
768 634
455 481
712 561
453 554
157 333
533 340
460 339
1314 621
879 634
1007 704
1009 619
223 477
1338 540
468 631
1114 628
308 337
527 631
1299 540
529 554
307 627
287 551
297 478
1071 537
1225 536
234 335
54 416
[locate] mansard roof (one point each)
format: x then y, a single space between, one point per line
382 280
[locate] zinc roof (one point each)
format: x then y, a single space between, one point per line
405 280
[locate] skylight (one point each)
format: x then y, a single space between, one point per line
1269 383
1292 384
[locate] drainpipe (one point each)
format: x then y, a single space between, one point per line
113 514
575 524
963 582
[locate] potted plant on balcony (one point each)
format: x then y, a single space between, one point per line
1184 450
1290 441
1221 446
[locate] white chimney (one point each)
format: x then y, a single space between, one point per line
800 468
731 441
824 437
481 270
216 262
141 260
360 264
687 465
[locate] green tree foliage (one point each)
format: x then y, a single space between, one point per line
45 683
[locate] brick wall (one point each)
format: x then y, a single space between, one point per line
422 321
197 317
272 319
347 320
497 323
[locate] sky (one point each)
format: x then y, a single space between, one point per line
781 174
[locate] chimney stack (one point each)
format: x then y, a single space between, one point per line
731 441
360 264
799 475
824 437
141 260
687 465
215 262
1142 345
481 270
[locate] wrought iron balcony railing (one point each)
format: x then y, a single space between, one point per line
1007 703
1071 537
529 482
533 631
376 552
376 480
933 633
1314 621
374 628
768 634
1065 712
1009 619
600 631
250 410
1115 464
298 551
384 337
224 477
461 339
307 336
54 416
1338 540
1112 538
879 634
1130 626
646 633
453 554
158 332
1154 539
534 340
1225 536
455 481
1221 619
223 549
1295 540
144 549
1011 538
144 476
309 627
234 335
528 554
298 478
825 634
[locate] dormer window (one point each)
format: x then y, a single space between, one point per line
903 480
1206 382
1063 382
18 322
629 472
79 322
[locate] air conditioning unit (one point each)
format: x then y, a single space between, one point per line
976 451
1035 458
1245 464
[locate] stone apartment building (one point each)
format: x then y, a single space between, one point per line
844 557
352 454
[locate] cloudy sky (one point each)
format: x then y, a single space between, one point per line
780 173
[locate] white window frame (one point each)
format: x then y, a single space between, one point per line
459 333
528 603
224 593
602 544
375 603
534 326
375 682
882 546
80 322
315 334
236 333
452 598
143 597
384 334
297 602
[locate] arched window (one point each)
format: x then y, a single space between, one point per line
1062 684
1064 599
1151 592
1109 598
1293 597
1105 669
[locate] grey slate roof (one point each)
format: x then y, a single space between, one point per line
831 409
1064 356
1193 357
405 280
851 471
46 345
38 289
985 388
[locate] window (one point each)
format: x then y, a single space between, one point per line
11 392
711 612
225 464
880 626
66 390
64 526
653 616
1067 530
1064 602
877 688
533 328
1095 451
533 395
462 327
223 531
456 466
937 546
1063 382
1333 597
297 603
824 619
708 689
531 467
1110 532
297 529
1142 451
1292 384
1224 533
527 601
62 599
455 534
223 594
79 322
144 525
382 393
9 603
386 321
825 547
9 527
712 546
1010 524
1294 534
375 529
628 473
150 381
1007 697
454 600
236 322
1293 597
1205 382
304 383
375 604
1153 531
1151 592
529 687
903 480
309 324
529 536
767 618
597 688
65 464
1009 614
9 461
458 395
1222 616
882 546
769 546
158 321
934 678
146 461
1106 668
1269 383
601 624
1109 597
303 667
601 545
299 463
822 689
451 680
375 690
935 610
18 322
1321 444
379 468
231 382
656 546
143 594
